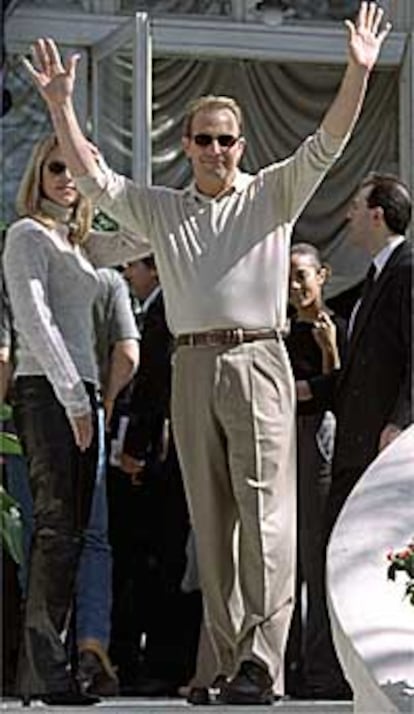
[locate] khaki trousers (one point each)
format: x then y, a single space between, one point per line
234 423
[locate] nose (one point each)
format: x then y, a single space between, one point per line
67 174
214 147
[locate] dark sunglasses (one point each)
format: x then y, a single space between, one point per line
224 140
56 167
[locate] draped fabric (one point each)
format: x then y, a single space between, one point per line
20 128
282 104
303 9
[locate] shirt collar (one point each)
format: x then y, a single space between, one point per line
151 298
240 182
381 258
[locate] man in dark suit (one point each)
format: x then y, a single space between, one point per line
373 396
152 526
372 392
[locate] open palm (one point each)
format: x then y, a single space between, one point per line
365 37
54 80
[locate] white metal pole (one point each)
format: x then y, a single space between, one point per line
406 128
142 100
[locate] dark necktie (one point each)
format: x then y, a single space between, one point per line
369 282
366 290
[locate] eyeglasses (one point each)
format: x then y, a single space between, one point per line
56 167
224 140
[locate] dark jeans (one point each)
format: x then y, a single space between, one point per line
62 480
314 477
148 528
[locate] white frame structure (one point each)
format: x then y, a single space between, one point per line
204 37
137 34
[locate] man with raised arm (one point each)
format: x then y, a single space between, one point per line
222 249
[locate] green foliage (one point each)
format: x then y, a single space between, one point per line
102 222
11 526
403 561
9 443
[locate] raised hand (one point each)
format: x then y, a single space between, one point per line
324 331
365 37
54 79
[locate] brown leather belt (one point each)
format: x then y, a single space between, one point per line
231 336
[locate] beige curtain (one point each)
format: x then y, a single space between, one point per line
282 105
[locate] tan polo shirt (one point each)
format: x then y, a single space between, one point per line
223 262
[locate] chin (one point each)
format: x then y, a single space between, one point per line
66 202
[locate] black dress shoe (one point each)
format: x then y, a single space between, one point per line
201 696
68 699
251 685
198 696
342 692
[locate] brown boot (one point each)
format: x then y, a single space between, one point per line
96 674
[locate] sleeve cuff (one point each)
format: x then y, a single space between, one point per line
76 401
92 187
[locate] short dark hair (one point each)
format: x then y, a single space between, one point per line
393 196
307 249
149 261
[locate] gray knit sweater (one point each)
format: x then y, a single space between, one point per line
52 286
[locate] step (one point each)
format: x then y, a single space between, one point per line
129 705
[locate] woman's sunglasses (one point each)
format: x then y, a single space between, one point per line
56 167
224 140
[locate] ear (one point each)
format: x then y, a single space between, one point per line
185 143
324 273
378 215
242 146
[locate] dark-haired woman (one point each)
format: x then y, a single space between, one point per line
314 344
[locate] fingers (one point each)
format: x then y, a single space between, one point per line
369 19
368 16
53 55
371 14
32 71
71 65
362 16
376 20
350 27
47 59
130 465
323 321
46 55
40 56
388 434
82 431
108 408
382 35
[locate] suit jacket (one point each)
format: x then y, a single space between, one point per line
373 387
150 399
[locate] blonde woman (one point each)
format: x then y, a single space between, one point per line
52 286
